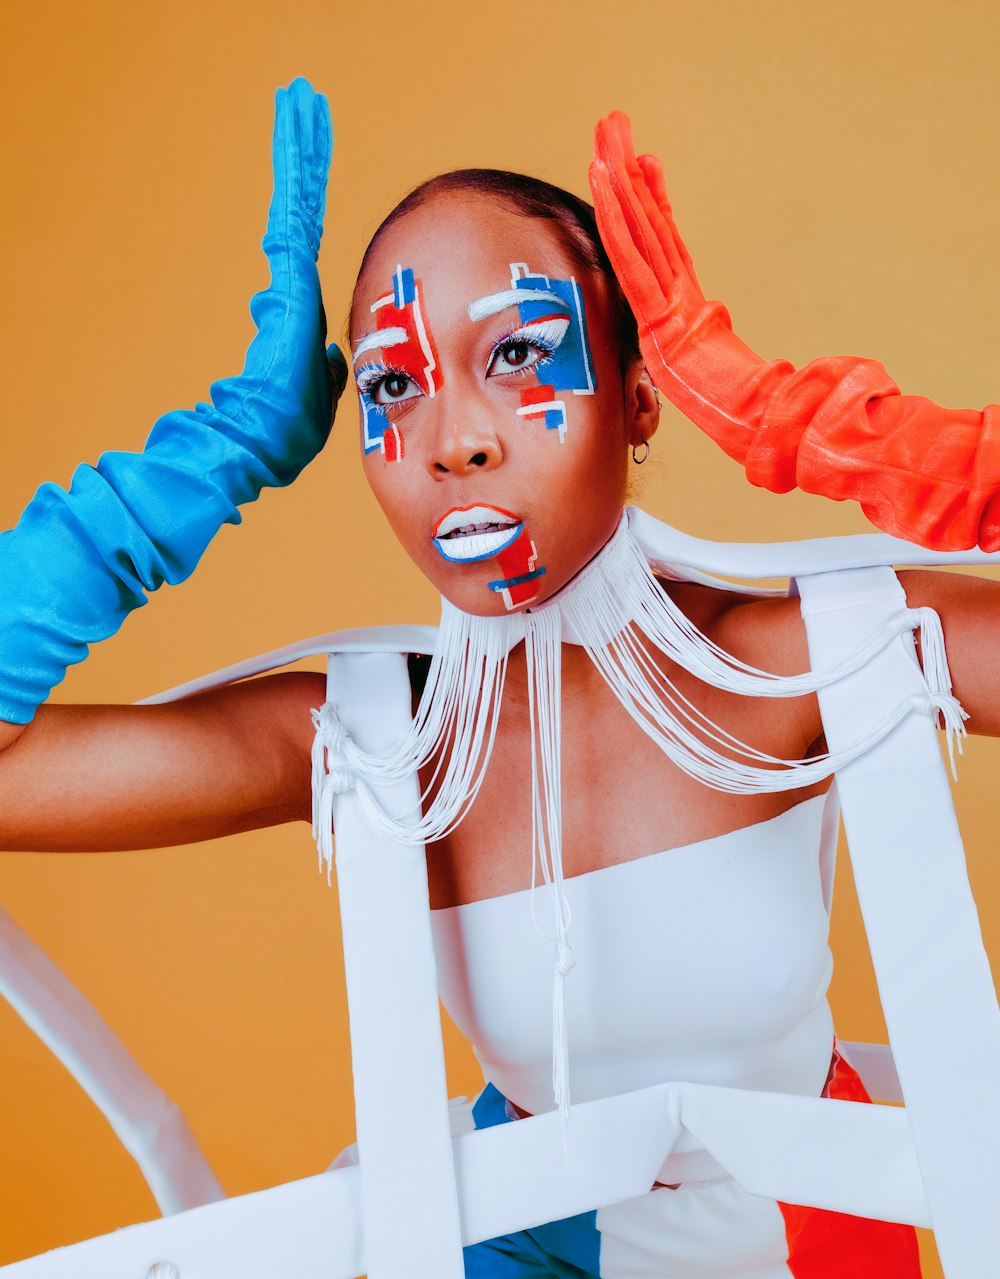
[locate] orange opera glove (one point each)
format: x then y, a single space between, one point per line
839 426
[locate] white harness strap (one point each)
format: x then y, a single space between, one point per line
150 1126
925 940
409 1196
923 929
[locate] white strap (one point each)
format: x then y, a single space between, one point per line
923 930
834 1154
669 549
150 1126
404 1135
366 639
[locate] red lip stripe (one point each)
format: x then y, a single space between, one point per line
461 510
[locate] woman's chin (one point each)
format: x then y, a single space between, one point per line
482 591
483 602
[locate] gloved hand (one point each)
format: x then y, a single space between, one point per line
80 560
839 426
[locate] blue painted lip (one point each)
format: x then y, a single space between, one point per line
441 545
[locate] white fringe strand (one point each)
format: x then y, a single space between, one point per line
620 614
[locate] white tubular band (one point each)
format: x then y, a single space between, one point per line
409 1197
150 1126
933 974
831 1154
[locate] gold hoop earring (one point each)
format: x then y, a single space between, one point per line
636 457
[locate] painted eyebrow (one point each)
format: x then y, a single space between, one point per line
379 338
493 303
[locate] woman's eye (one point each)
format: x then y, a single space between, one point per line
533 343
394 388
515 355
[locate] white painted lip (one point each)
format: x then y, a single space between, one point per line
470 533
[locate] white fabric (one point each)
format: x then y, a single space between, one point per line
934 977
618 612
735 924
792 1148
369 639
699 1232
150 1126
516 1176
409 1199
821 1171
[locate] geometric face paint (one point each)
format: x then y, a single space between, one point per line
521 571
551 317
404 338
469 534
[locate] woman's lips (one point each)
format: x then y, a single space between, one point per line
466 534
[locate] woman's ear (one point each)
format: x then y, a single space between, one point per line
642 404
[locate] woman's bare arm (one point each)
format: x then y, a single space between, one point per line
97 778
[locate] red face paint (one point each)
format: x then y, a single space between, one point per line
539 404
414 356
521 572
417 357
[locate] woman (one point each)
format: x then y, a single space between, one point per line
502 396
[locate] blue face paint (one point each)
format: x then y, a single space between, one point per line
571 367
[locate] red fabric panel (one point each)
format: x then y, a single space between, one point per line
833 1245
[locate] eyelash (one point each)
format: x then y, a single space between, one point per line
369 377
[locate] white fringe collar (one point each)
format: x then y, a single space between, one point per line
618 612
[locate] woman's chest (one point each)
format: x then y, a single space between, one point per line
622 797
708 961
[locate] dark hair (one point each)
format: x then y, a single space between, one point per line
575 224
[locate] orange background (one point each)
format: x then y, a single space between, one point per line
834 171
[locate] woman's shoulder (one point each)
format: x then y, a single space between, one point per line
766 631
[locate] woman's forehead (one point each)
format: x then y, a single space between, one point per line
462 247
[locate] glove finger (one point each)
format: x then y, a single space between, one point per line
338 371
312 115
634 274
661 219
614 147
281 155
301 151
644 234
611 155
633 270
655 204
652 172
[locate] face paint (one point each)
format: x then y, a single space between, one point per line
469 534
521 572
552 319
539 404
571 367
409 353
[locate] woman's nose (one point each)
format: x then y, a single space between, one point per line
462 446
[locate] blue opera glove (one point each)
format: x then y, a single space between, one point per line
79 561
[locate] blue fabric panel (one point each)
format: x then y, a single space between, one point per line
568 1249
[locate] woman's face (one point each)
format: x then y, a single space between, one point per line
495 417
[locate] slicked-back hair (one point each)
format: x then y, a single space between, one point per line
574 222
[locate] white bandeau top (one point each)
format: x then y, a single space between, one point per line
706 963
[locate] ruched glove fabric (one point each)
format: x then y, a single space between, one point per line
79 560
839 426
